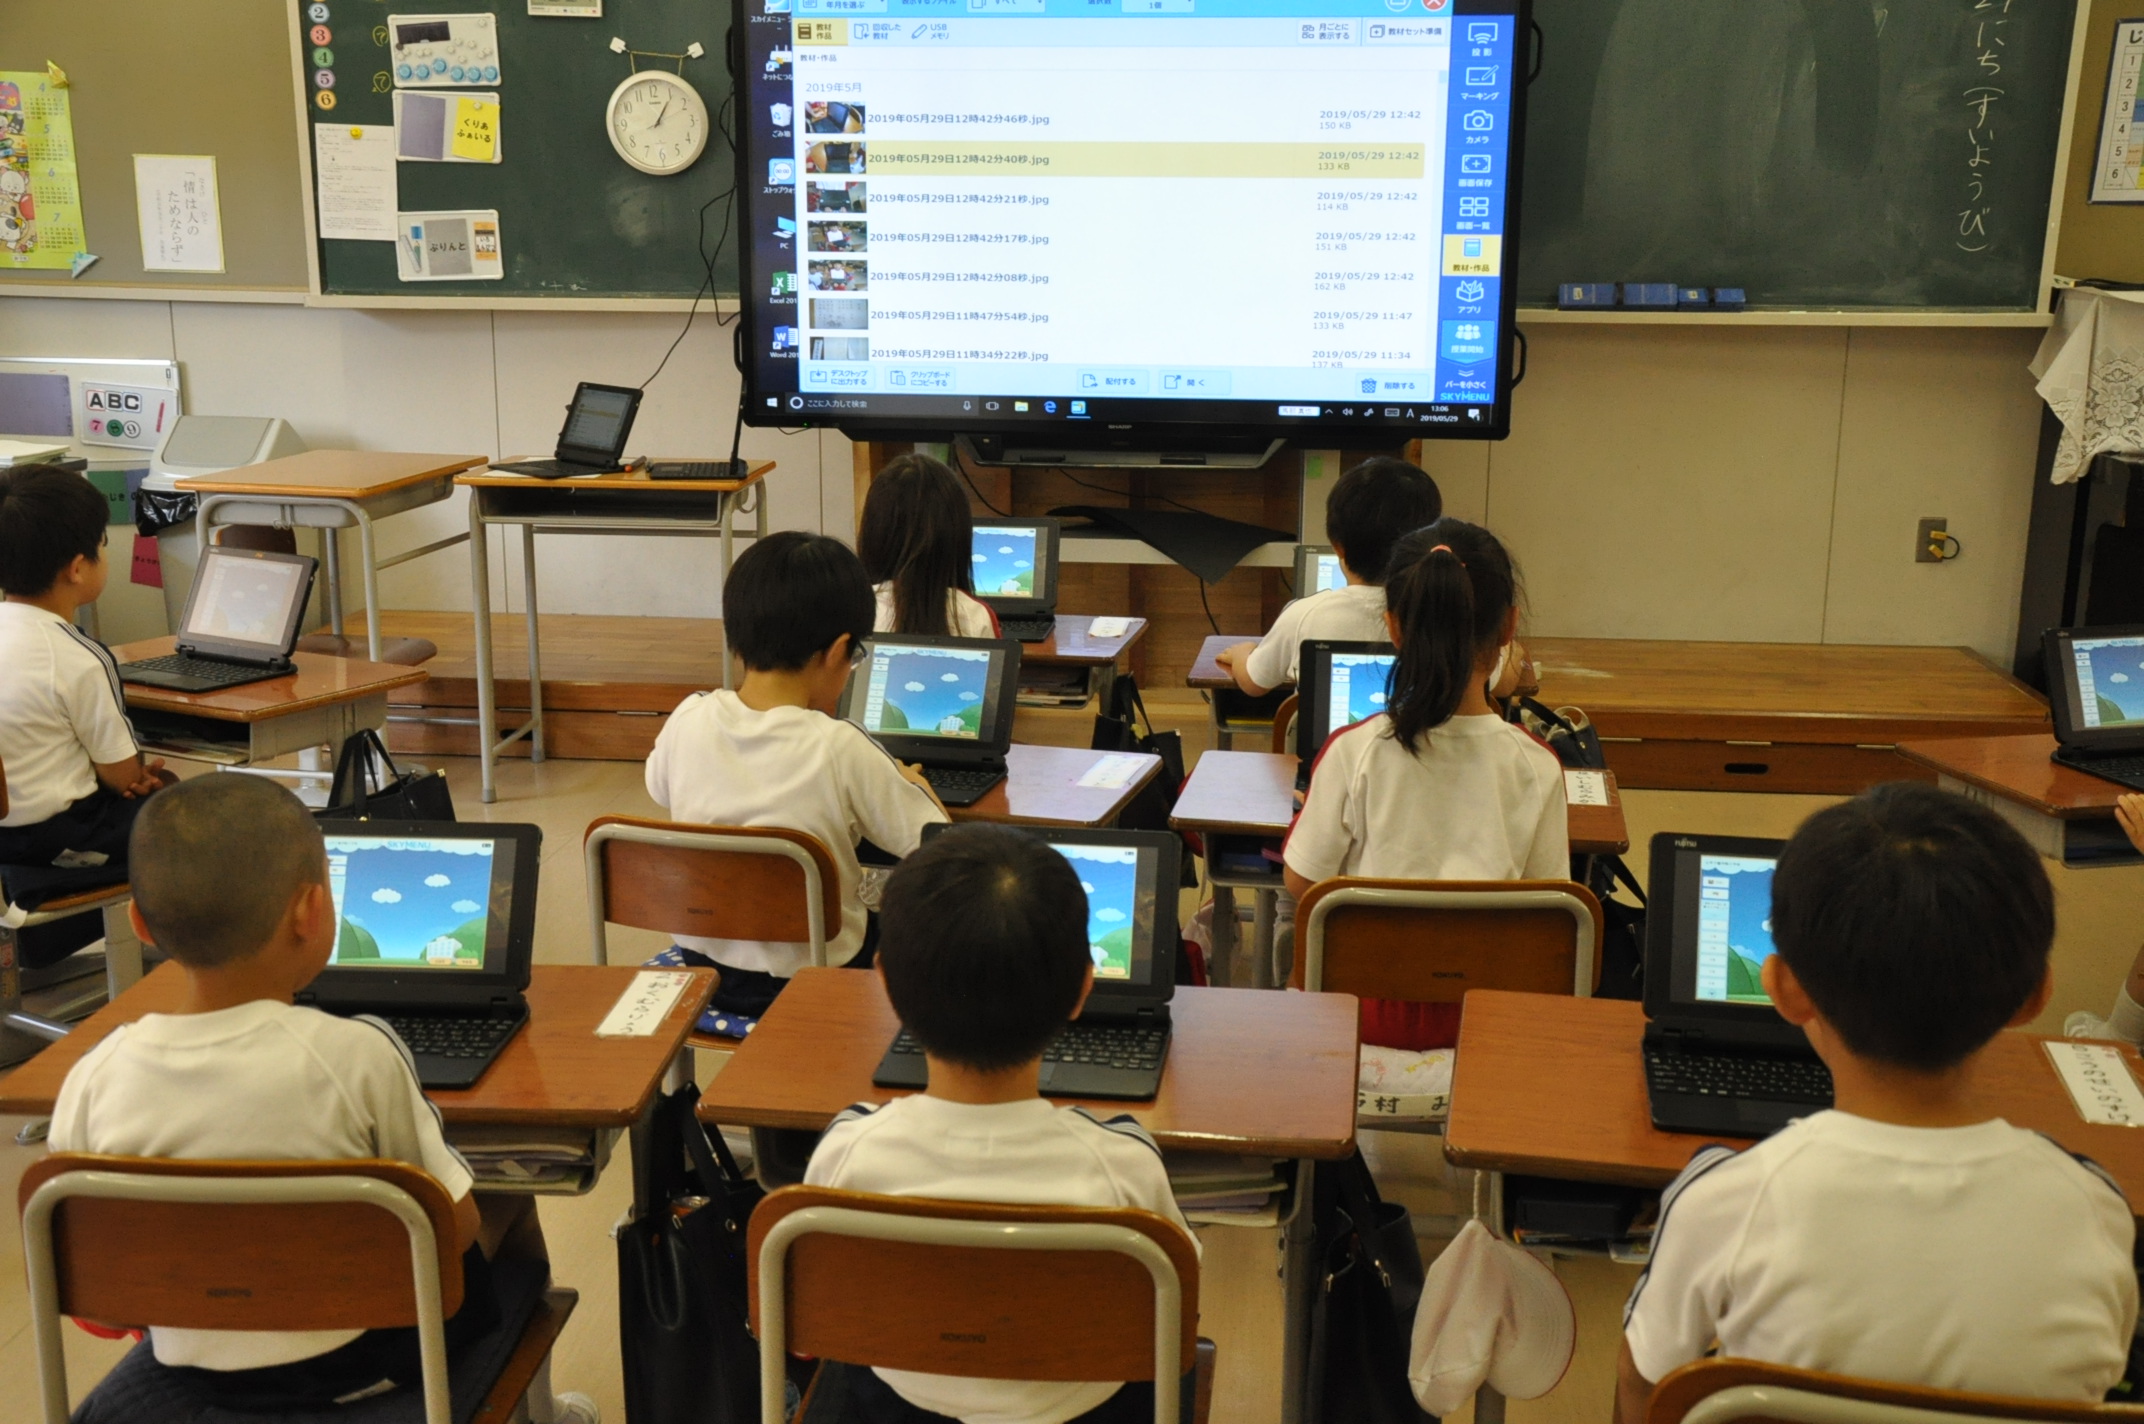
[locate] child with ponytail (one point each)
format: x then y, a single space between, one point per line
1438 786
916 540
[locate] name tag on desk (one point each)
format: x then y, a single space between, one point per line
2099 1083
1109 627
1586 788
644 1005
1110 773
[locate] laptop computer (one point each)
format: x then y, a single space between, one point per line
945 704
1337 685
1718 1057
1016 574
1317 568
241 622
592 441
435 926
1118 1044
2095 682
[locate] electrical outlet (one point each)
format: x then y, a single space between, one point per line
1928 544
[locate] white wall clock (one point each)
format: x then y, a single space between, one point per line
657 122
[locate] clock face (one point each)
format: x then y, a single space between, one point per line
657 122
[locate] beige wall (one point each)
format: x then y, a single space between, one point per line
1762 484
1661 482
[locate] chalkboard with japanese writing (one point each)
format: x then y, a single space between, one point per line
1816 153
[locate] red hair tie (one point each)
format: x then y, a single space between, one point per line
1443 549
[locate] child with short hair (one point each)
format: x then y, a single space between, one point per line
75 777
983 950
1369 508
916 539
1437 786
238 1072
1903 1235
796 612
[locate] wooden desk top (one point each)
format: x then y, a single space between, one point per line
1042 788
320 681
1249 1071
1253 794
1555 1086
555 1072
618 480
1790 692
2018 768
333 474
1205 672
1071 643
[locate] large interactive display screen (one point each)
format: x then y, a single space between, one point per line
1026 216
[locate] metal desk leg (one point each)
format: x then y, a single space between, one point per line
1222 971
1264 974
1299 1298
528 598
487 707
369 567
331 552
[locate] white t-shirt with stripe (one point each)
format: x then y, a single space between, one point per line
1028 1153
1351 614
1971 1258
61 711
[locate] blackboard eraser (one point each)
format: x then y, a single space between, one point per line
1728 299
1693 298
1657 296
1582 296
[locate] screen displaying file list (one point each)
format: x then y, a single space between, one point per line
1059 210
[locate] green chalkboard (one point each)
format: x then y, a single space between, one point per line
1818 153
574 219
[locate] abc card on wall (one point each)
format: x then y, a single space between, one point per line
134 417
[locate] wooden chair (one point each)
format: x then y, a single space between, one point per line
1284 725
1728 1391
983 1290
1429 941
122 953
255 1246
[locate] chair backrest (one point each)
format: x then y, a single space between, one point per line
1284 725
237 1246
1726 1391
1430 941
722 882
986 1290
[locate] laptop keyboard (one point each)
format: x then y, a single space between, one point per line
1028 630
451 1036
1711 1075
961 785
2127 770
208 670
690 470
1101 1045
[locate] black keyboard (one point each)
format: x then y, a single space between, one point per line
1103 1045
451 1035
1028 630
206 669
1720 1075
691 470
961 786
2123 770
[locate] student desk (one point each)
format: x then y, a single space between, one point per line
1555 1087
2068 815
1253 794
1041 788
623 502
1071 644
554 1073
1267 1075
323 702
331 490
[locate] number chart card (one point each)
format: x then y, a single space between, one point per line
2118 177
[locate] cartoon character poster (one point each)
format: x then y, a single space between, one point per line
40 204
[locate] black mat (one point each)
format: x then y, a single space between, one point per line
1206 544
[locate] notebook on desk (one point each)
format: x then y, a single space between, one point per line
1718 1057
2095 685
1118 1044
592 441
1337 685
945 704
241 622
1015 572
435 927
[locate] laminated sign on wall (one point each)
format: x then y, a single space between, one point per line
181 220
135 417
449 247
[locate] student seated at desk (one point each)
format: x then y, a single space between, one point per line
230 880
1369 507
2125 1021
795 612
1437 786
1899 1236
983 950
75 777
916 538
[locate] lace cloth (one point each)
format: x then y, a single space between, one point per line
2090 369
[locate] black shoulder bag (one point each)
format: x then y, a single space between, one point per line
369 786
1370 1279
